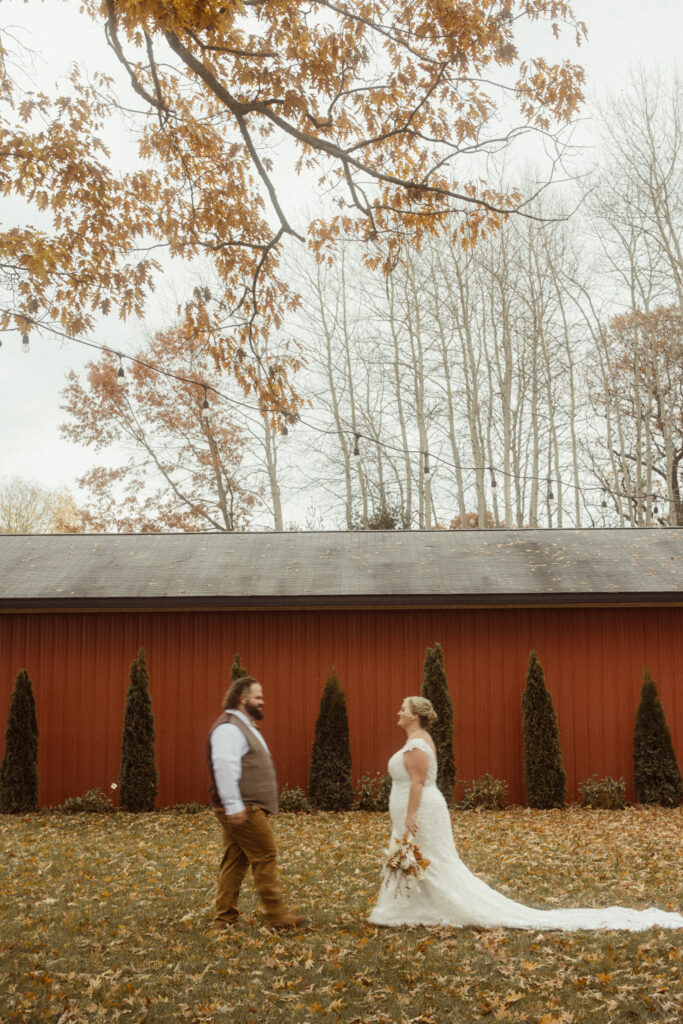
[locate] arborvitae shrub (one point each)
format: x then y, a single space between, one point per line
330 787
435 689
237 671
656 775
544 774
19 767
139 775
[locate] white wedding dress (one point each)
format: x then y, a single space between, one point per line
449 894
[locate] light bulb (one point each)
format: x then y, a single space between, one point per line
25 345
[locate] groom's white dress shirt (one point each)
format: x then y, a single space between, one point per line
228 747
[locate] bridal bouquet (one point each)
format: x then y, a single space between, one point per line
403 861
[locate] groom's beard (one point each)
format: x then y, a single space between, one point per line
255 713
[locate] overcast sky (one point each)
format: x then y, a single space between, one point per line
622 35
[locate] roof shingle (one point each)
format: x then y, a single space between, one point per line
339 568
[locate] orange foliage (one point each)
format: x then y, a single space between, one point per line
472 522
183 472
379 98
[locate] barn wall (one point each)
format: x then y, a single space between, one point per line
593 660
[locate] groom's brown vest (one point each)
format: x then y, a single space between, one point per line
258 784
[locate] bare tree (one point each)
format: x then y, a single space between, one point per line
26 507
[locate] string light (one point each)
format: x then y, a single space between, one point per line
205 414
25 344
655 509
120 376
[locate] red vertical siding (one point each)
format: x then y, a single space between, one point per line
593 659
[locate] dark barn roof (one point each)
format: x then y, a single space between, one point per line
482 567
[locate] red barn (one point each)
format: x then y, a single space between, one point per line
596 605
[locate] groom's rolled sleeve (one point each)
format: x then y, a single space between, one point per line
228 747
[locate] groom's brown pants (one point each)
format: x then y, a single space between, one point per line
249 845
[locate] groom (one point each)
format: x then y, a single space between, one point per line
244 793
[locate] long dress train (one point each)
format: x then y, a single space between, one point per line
449 894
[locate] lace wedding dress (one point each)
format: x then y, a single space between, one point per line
449 894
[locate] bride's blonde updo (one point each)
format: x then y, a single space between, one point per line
424 710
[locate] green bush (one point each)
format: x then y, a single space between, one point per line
607 794
139 776
435 689
19 767
486 794
656 775
94 802
544 774
372 792
330 787
294 801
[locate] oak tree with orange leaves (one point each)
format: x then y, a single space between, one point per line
183 470
382 102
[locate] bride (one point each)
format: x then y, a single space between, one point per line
448 893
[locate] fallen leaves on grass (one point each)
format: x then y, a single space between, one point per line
105 918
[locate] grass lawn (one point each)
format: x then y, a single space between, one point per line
106 918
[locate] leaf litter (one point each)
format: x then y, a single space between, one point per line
108 919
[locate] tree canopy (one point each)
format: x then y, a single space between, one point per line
382 102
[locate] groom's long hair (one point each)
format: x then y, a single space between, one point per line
234 694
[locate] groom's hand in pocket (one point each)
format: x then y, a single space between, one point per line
237 819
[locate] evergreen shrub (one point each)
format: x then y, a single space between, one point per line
435 689
656 775
139 775
19 767
544 775
486 794
94 802
294 801
607 794
372 792
330 787
192 807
